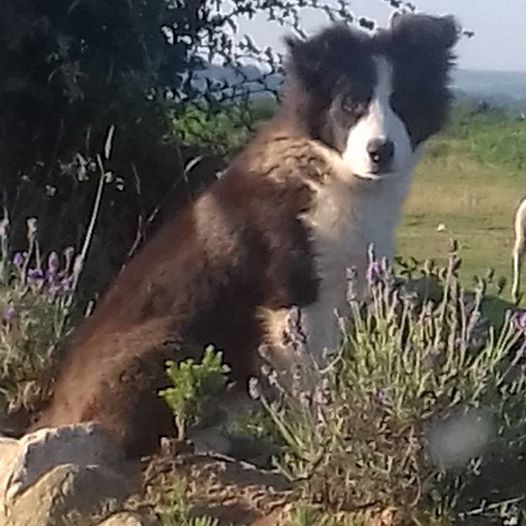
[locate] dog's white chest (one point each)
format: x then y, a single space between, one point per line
343 224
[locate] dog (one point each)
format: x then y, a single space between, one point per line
321 182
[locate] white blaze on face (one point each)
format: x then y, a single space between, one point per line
379 123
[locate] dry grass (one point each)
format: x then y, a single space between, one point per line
476 204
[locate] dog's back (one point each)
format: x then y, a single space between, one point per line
202 279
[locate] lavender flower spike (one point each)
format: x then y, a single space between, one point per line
374 271
380 396
8 313
53 263
35 276
18 260
519 320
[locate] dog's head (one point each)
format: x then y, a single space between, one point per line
374 98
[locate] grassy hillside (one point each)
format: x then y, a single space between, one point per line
470 180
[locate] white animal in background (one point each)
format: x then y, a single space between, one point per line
519 247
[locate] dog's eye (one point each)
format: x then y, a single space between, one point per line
354 104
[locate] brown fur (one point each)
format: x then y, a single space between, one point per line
204 277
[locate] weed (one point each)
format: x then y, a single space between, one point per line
308 515
37 299
194 385
172 507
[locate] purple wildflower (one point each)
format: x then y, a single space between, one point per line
374 271
66 284
57 286
53 263
294 333
35 276
519 320
51 279
51 274
8 313
18 260
380 396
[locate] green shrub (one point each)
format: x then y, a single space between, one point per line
35 302
168 502
305 515
194 385
225 130
173 509
38 304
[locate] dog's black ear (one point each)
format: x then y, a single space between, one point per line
424 30
328 50
395 19
305 57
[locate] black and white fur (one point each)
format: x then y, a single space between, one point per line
368 103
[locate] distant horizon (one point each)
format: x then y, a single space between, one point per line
457 68
497 87
483 70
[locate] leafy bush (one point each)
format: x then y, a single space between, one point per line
36 296
168 503
305 515
39 300
70 68
225 130
418 409
194 385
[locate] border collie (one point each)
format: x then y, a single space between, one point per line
325 179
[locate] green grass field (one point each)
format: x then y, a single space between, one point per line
471 181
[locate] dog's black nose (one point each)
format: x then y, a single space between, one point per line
381 151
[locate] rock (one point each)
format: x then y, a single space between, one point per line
13 425
23 461
8 446
69 495
127 519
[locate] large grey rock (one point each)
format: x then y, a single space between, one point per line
8 446
23 461
69 495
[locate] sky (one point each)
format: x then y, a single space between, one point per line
500 27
